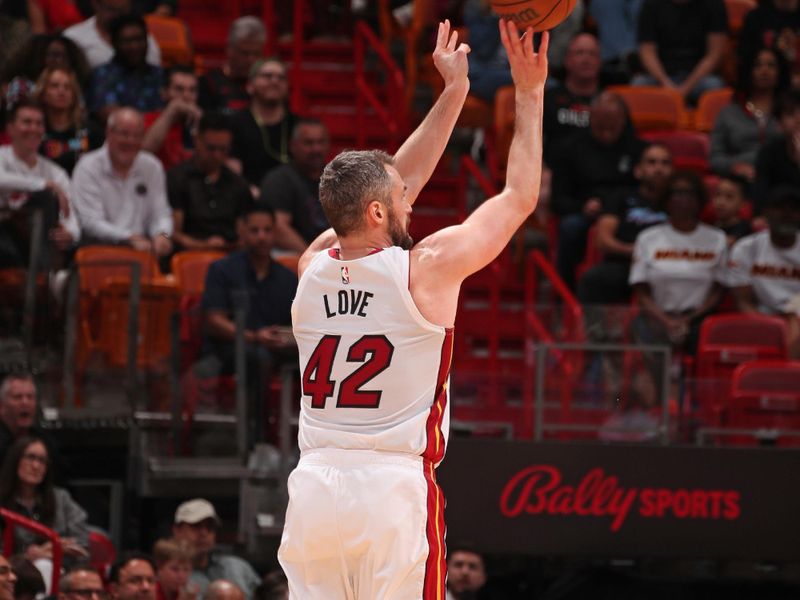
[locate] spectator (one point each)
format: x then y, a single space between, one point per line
623 217
94 37
728 201
81 583
225 89
133 577
273 586
293 189
566 105
173 559
119 191
772 24
196 522
30 181
67 133
778 161
222 589
765 267
249 278
126 80
18 404
207 198
170 132
748 122
7 579
488 64
26 487
616 29
29 585
682 44
41 52
588 166
261 134
677 269
466 573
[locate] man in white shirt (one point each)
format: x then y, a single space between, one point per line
94 38
764 269
119 191
28 180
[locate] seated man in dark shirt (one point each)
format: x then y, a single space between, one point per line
682 44
566 104
589 166
293 189
207 198
248 279
624 215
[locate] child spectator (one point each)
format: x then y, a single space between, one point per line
173 560
728 200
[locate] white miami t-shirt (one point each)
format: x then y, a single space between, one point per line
680 267
774 273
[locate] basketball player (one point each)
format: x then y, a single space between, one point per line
373 320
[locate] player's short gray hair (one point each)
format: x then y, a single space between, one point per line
351 181
246 28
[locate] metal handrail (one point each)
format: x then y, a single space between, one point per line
14 520
393 115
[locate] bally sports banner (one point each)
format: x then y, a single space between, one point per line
623 501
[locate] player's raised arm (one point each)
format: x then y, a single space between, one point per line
463 249
417 157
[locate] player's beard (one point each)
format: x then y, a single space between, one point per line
398 233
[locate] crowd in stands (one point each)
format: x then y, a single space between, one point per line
114 149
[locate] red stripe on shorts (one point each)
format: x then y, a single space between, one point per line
434 449
435 567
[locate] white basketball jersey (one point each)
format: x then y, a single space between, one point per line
374 372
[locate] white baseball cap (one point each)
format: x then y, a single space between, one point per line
196 511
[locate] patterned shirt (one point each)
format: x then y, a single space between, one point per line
114 84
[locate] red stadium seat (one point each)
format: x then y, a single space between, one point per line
765 396
708 108
725 342
653 107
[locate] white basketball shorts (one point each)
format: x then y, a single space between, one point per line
364 525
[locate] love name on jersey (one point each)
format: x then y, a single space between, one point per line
347 302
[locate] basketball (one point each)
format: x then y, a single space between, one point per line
541 15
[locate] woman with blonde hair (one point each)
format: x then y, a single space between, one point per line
67 132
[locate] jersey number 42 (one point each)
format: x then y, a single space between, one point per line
374 352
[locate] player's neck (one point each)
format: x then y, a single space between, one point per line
357 246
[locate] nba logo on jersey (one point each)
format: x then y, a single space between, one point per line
345 275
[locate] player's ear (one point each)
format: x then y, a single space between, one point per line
376 211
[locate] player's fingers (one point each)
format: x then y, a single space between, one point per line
440 36
453 41
513 37
544 44
501 24
527 43
465 48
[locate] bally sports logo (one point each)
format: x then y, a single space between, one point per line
540 490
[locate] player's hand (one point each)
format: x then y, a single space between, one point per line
528 68
450 57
